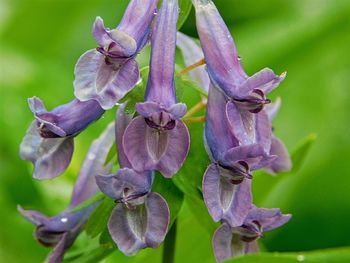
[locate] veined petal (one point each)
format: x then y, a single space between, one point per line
93 164
251 154
160 85
283 162
144 226
123 120
273 108
222 240
106 83
50 156
137 19
193 53
221 56
146 109
114 185
265 80
224 200
151 149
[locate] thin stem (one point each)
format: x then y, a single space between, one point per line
194 119
196 108
169 245
192 67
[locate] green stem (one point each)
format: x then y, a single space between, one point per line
169 245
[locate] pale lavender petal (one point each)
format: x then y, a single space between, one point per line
65 120
160 85
150 149
106 83
140 227
149 108
273 108
252 154
100 33
33 216
193 53
158 218
224 200
283 162
218 132
50 156
94 164
221 56
263 130
114 185
265 80
251 247
177 110
137 19
221 241
123 120
268 218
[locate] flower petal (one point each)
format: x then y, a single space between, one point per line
283 162
193 53
224 200
50 156
269 218
94 163
273 108
123 120
125 178
94 79
265 80
221 241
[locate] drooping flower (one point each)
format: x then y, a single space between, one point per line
158 139
48 142
231 242
107 73
140 218
224 67
226 182
60 231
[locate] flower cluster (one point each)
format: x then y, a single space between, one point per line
237 133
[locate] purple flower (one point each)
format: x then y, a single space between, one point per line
140 218
48 142
158 139
108 72
231 242
224 67
235 149
60 231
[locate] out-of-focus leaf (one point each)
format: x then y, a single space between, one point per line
300 153
183 82
93 255
173 196
185 9
338 255
92 200
99 218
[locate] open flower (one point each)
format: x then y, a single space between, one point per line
140 218
48 142
108 72
231 242
224 67
158 139
60 231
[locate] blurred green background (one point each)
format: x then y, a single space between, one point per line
40 41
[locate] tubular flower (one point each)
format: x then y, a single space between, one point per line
231 242
224 67
140 218
48 142
60 231
108 72
226 182
158 139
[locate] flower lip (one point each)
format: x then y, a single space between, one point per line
254 102
251 231
237 173
130 199
47 238
161 121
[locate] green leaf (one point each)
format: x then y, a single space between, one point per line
173 196
338 255
302 150
94 255
99 218
93 199
183 82
185 9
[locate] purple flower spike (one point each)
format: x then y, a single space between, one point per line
65 120
224 67
108 72
50 156
158 139
141 226
231 242
60 231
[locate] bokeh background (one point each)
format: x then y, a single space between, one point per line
40 41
